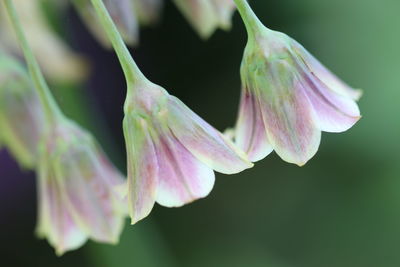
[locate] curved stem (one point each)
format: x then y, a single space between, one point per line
131 70
51 109
250 19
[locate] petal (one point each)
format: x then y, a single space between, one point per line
201 14
89 194
182 178
224 10
251 135
54 219
123 14
203 141
287 114
324 75
142 168
333 112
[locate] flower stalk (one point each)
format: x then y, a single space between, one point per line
51 109
129 67
251 21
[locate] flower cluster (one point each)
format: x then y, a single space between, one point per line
288 99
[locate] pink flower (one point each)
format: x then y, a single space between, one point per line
78 189
288 98
171 151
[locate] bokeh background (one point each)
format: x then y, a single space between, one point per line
341 210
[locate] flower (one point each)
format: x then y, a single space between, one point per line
171 151
78 189
288 98
21 114
59 62
207 15
121 11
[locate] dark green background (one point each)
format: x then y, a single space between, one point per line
341 210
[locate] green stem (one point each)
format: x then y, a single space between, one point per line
131 70
250 19
51 109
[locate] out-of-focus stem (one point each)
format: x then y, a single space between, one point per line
51 109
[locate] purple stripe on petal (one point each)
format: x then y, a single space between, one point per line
182 177
203 141
92 201
250 132
288 116
325 75
142 168
54 219
333 112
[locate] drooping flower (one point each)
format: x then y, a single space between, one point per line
207 15
79 190
288 97
122 12
171 151
59 61
21 114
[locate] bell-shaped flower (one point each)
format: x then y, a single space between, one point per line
21 114
171 151
79 190
288 98
121 11
207 15
148 11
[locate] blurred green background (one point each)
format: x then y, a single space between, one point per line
341 209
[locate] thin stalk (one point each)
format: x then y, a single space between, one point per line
131 70
51 109
252 23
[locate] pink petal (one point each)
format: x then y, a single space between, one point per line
288 115
203 141
333 101
89 194
142 168
54 219
182 178
324 75
333 112
250 132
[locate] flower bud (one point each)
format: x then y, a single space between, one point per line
171 151
78 190
21 114
288 98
